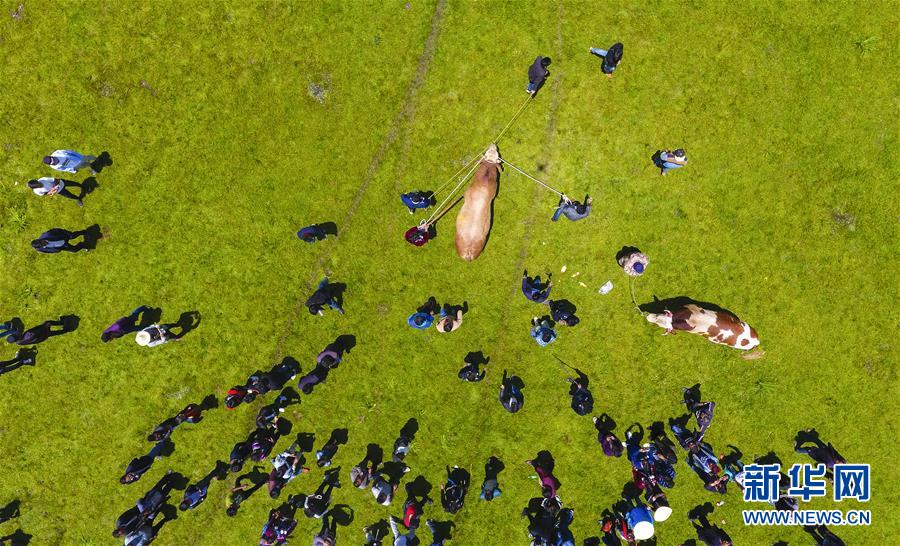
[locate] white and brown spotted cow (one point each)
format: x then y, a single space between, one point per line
473 223
717 326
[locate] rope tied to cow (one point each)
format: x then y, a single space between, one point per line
462 180
478 157
554 190
631 281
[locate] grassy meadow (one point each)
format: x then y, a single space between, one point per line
230 125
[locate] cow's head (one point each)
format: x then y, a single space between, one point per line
663 320
492 155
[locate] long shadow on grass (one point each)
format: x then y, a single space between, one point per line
661 305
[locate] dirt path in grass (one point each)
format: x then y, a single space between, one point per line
402 121
488 405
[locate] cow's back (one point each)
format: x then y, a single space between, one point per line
729 330
473 223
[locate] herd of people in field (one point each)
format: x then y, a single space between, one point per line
652 455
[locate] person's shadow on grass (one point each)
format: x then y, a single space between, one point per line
103 161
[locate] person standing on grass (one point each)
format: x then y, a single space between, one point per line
23 357
154 335
59 240
122 326
12 327
537 73
69 161
542 332
670 159
548 482
490 487
321 297
417 200
140 465
448 323
423 318
311 234
534 289
407 539
38 334
330 356
196 493
49 186
511 397
611 58
573 210
561 313
327 453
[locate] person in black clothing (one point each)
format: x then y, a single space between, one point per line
324 295
537 73
39 333
611 58
153 500
708 534
140 465
561 312
316 505
511 397
453 493
196 492
318 375
58 240
490 488
820 452
262 440
129 521
582 399
241 491
192 413
472 372
23 357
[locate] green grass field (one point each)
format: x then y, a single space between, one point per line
787 214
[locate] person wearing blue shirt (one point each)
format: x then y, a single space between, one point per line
670 159
534 289
69 161
542 333
417 200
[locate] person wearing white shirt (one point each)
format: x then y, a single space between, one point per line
69 161
50 186
154 335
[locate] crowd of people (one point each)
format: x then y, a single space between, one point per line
631 519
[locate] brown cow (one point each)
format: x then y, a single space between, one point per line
473 223
717 326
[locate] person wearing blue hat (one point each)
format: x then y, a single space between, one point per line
632 261
423 318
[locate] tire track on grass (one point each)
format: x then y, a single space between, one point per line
548 144
406 116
